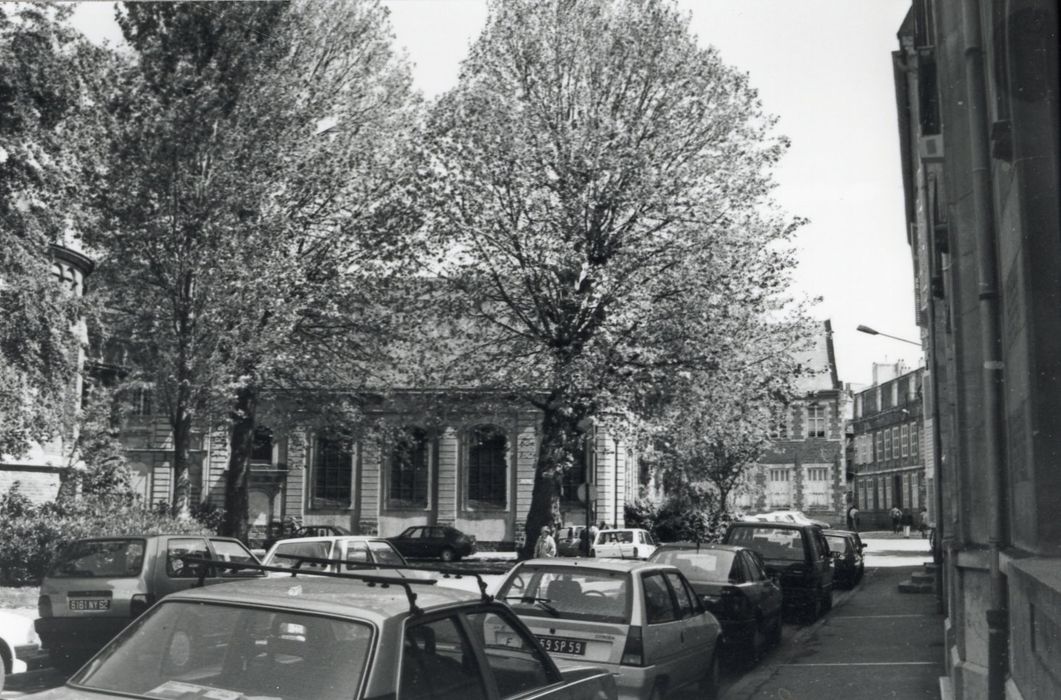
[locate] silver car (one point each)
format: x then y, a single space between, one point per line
640 620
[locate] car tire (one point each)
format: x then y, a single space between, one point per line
774 637
712 680
3 672
756 645
447 554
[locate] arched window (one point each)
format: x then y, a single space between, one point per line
487 467
409 469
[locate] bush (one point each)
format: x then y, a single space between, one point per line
692 517
33 535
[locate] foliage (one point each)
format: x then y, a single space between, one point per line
689 517
596 196
253 187
33 533
99 446
50 82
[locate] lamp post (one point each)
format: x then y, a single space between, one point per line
872 331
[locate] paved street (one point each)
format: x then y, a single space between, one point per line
876 643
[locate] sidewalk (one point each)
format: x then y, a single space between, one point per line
876 642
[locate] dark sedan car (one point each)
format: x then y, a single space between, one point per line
734 586
434 542
846 547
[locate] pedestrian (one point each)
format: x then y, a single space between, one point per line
850 520
852 515
922 522
546 546
583 542
896 517
908 521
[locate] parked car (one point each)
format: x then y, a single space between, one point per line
314 638
623 543
434 542
733 584
569 541
797 555
96 586
848 563
285 533
641 621
358 552
18 642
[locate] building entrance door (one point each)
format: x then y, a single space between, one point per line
897 490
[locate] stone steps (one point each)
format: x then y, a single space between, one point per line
921 581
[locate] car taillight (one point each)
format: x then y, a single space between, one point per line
634 651
140 603
44 606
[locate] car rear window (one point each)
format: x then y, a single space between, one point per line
198 650
575 593
705 565
770 542
100 559
837 543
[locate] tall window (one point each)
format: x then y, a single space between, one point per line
905 441
333 472
262 446
880 446
487 467
815 421
779 423
888 443
575 475
895 443
409 469
915 440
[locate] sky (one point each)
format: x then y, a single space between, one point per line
823 67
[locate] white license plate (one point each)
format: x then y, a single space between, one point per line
564 645
89 604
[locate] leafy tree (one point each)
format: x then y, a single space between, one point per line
597 195
50 82
251 194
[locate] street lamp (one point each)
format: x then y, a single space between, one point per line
872 331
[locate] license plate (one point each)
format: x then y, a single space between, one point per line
564 645
89 604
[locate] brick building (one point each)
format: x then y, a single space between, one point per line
805 466
887 446
977 89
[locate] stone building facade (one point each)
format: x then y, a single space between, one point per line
977 90
888 450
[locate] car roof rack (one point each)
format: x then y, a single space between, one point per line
370 579
459 573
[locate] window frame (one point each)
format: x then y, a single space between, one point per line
476 503
330 502
428 446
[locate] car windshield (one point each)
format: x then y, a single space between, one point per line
192 650
705 565
616 537
769 542
100 559
287 553
570 592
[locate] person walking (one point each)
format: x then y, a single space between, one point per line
907 519
922 522
896 517
546 546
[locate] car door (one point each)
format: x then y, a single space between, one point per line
176 574
225 549
409 542
693 634
824 563
765 593
664 627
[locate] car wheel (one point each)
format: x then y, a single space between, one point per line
774 637
756 644
3 672
448 555
709 684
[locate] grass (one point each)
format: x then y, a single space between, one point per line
18 597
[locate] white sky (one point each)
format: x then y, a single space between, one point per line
824 68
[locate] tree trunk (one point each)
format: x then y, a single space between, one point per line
552 456
236 478
182 436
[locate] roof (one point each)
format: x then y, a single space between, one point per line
614 565
333 538
348 597
819 363
697 547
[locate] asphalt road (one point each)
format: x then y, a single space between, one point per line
875 643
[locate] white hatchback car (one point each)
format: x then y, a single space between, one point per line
355 551
18 640
642 621
624 543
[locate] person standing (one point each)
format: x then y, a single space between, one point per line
922 522
896 516
907 520
546 546
852 516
